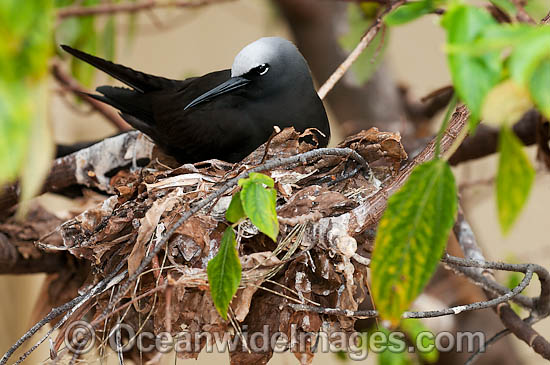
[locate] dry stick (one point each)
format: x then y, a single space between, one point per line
468 244
352 57
129 7
274 163
520 328
71 84
55 312
441 312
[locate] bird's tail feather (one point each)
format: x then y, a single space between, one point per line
138 80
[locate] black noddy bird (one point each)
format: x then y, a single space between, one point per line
222 115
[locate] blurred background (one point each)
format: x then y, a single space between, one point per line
178 43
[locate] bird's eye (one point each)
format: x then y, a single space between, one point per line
262 69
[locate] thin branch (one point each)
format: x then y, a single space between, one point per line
68 308
363 44
130 7
498 336
441 312
521 329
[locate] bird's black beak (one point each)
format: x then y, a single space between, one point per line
231 84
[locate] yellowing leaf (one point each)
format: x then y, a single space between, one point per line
514 178
506 103
411 237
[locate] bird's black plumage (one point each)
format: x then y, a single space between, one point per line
224 114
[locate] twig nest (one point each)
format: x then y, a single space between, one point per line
321 215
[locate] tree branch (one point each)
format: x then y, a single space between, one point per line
521 329
352 57
90 166
130 7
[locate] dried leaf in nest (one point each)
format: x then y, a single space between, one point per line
146 228
312 262
286 143
312 203
374 145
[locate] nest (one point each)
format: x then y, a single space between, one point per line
319 259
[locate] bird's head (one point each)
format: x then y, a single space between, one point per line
271 59
270 64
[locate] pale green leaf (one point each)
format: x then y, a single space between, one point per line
367 62
514 178
257 178
109 38
224 273
409 12
259 205
15 128
473 76
528 55
389 357
25 49
235 210
411 237
539 86
413 327
40 149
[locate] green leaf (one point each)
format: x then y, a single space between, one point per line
505 5
257 178
414 327
259 203
389 357
224 273
409 12
411 238
496 37
473 76
15 125
537 8
235 210
393 358
86 40
40 149
359 19
25 49
514 178
109 38
539 86
528 55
